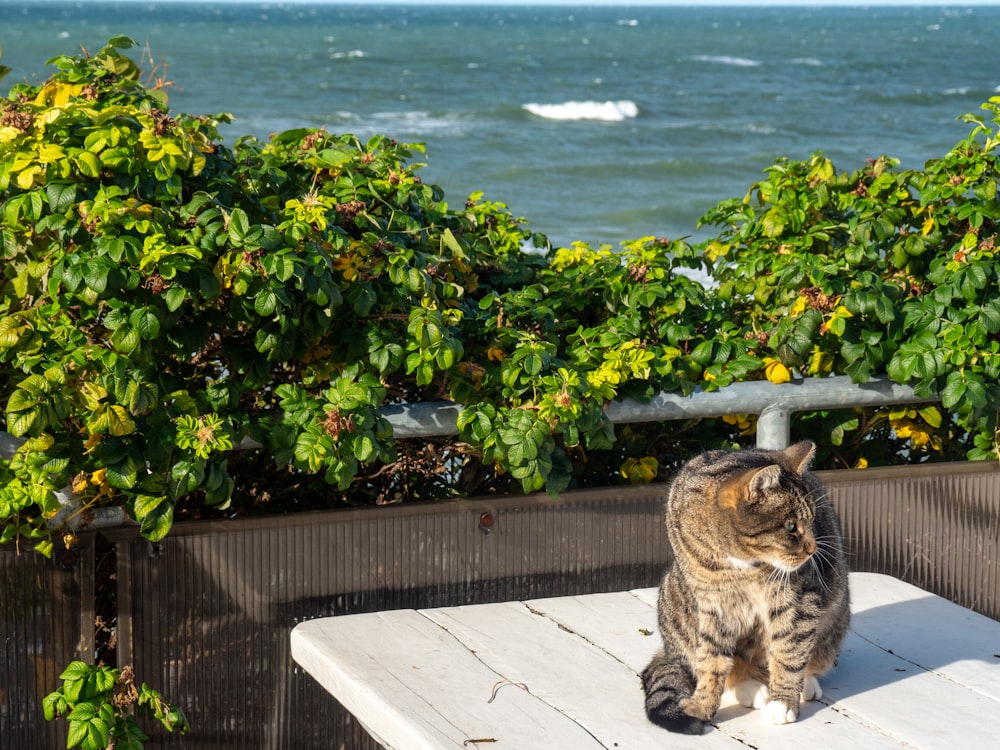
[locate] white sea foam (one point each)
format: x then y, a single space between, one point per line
810 61
740 62
959 91
405 124
610 111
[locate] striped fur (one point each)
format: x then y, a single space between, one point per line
756 599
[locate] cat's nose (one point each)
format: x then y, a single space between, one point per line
809 546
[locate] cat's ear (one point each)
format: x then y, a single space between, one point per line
765 480
744 486
800 456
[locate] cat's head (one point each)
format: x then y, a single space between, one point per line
771 508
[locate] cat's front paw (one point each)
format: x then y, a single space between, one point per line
698 709
811 690
779 712
751 693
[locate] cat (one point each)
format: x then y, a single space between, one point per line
756 600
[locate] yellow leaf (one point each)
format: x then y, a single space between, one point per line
80 483
928 226
775 371
821 363
800 305
56 94
50 152
8 134
120 421
931 416
640 470
716 250
861 463
26 179
822 169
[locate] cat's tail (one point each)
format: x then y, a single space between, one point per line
667 682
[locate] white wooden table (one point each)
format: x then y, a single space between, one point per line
916 671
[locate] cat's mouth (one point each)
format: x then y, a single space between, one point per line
786 566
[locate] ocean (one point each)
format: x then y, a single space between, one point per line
598 124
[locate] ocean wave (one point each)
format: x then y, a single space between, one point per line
609 111
407 123
740 62
810 61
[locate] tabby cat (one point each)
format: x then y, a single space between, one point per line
756 600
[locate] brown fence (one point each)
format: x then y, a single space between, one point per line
205 615
46 621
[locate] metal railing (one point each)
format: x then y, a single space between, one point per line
774 405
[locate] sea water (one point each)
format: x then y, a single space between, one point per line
594 123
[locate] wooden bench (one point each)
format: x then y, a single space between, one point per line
916 671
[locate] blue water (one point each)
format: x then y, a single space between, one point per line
595 124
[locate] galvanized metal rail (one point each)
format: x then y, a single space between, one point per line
774 405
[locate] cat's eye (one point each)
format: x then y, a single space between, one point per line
791 527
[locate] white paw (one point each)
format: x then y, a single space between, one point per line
751 693
811 690
777 712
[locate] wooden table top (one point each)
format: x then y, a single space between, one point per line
916 671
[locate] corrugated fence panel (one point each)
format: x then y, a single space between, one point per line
936 526
46 621
208 611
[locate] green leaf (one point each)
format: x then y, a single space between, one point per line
123 475
333 157
175 297
88 163
704 353
61 195
146 323
953 392
155 516
451 243
265 303
76 670
364 448
78 735
239 226
95 275
990 316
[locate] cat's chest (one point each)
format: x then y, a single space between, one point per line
749 607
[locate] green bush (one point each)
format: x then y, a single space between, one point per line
878 270
101 704
165 297
188 328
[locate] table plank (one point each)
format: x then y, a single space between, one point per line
910 622
916 671
594 618
403 678
921 668
581 681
